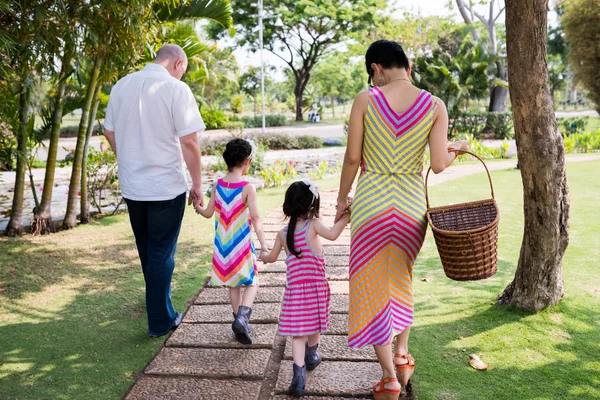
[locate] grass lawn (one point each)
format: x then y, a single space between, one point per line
593 125
72 322
549 355
72 314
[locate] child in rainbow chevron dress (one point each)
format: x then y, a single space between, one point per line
234 203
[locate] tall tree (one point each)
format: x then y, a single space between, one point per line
250 84
302 31
27 52
498 90
538 280
42 218
581 20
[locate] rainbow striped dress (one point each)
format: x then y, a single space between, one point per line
306 301
388 222
234 258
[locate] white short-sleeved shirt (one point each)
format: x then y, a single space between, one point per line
149 111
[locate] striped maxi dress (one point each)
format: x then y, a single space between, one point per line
388 219
306 301
234 258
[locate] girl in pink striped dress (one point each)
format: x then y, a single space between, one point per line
306 302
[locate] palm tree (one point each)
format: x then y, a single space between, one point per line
26 52
127 28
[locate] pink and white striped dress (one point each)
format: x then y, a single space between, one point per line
306 301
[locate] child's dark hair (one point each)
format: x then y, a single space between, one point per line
299 202
236 152
387 53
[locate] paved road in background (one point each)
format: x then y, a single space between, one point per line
323 130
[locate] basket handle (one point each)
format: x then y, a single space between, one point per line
459 151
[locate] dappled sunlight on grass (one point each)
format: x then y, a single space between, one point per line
546 355
72 309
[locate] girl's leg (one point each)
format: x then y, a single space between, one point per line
298 348
312 358
248 297
386 360
313 339
299 379
235 297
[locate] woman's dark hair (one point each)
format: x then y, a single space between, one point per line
299 201
236 152
387 53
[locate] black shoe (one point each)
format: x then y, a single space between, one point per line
241 325
311 357
176 323
298 381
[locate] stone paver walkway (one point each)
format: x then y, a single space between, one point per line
201 359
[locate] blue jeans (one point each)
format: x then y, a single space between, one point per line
156 226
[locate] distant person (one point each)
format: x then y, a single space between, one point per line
391 125
151 118
235 204
306 301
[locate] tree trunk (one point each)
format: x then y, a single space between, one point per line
467 18
42 220
70 220
332 108
538 280
85 206
301 82
15 224
499 94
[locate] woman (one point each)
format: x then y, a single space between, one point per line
390 127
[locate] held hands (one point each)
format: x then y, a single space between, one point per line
196 197
343 207
264 251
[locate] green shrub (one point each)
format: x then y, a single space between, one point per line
477 123
214 117
270 120
569 126
213 147
103 178
237 104
277 141
582 142
309 142
501 124
73 131
278 174
268 141
485 152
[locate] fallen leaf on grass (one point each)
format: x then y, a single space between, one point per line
426 279
476 362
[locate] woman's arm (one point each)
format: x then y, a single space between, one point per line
252 203
209 210
335 231
274 253
438 140
353 149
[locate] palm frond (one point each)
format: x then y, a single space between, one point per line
218 11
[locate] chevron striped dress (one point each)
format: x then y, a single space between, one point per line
234 258
306 301
388 219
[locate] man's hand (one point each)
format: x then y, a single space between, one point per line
196 196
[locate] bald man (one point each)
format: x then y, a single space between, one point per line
151 119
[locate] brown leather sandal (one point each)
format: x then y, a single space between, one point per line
405 371
383 393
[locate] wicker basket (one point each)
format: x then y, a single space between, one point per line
466 235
